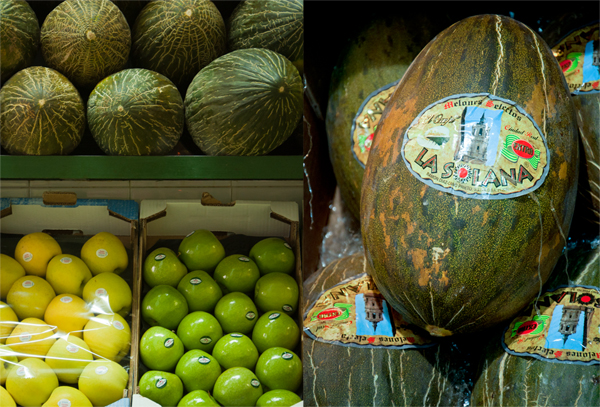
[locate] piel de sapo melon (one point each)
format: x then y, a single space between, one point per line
470 186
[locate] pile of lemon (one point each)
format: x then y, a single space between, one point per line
62 322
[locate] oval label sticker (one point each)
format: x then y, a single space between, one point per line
101 253
160 257
477 146
255 383
237 335
205 340
160 383
169 342
250 315
195 281
204 360
274 315
365 122
66 260
244 259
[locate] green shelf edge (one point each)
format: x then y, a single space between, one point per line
151 168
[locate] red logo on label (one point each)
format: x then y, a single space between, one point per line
329 313
463 172
449 105
566 64
558 353
523 149
489 103
527 327
371 339
410 339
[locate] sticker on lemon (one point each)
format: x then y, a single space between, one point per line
68 274
34 251
105 253
10 271
68 313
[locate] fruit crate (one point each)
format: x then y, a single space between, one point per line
71 222
238 225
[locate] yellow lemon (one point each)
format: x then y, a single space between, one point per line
10 271
6 399
8 321
67 396
35 250
108 336
31 383
68 357
108 293
31 338
103 382
68 313
105 253
8 360
29 296
68 274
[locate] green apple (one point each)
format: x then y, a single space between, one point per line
160 349
199 330
279 368
273 255
278 398
164 306
198 398
235 350
163 267
163 388
276 292
201 250
237 273
200 290
237 386
198 370
275 329
236 313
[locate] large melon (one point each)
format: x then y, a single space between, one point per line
136 112
177 38
41 113
470 186
19 37
277 25
246 102
362 81
336 375
507 380
86 40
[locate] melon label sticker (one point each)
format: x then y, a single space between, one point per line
365 121
565 330
477 146
354 313
577 54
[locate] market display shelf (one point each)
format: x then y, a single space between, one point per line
155 168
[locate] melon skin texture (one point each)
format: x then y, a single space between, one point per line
375 57
19 37
245 103
86 40
336 375
41 113
451 264
277 25
178 38
136 112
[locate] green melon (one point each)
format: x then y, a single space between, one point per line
277 25
336 375
508 380
136 112
86 40
178 38
41 113
362 80
19 37
246 102
458 250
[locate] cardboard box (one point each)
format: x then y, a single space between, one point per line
72 222
169 221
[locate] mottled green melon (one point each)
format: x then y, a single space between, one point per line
19 37
457 245
246 102
177 38
277 25
41 113
136 112
86 40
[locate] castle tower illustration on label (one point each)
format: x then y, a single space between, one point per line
570 320
474 143
373 308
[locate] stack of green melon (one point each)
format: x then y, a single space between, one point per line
220 325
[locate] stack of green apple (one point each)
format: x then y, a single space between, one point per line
63 326
220 327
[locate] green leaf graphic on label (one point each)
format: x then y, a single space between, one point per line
535 326
337 312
